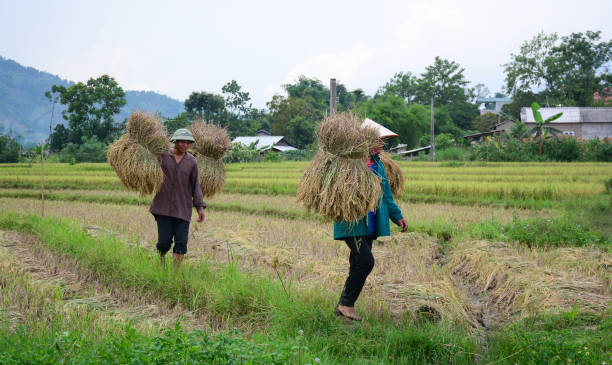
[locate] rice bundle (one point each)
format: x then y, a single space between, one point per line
337 183
134 155
394 173
211 144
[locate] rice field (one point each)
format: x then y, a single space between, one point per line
493 251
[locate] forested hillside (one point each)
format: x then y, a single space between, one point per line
25 109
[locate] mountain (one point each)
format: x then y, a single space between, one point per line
25 109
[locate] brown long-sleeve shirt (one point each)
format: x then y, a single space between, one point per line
180 190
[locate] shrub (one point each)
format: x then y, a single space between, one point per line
271 156
241 153
451 154
563 149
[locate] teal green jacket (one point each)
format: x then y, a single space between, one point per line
387 209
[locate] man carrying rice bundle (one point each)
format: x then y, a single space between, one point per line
179 191
359 236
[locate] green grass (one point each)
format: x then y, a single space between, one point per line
255 303
567 338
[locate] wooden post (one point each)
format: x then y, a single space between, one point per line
332 97
42 177
431 133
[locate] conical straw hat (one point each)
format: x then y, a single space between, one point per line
382 131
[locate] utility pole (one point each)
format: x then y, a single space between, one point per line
333 108
431 132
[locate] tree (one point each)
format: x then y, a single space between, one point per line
182 120
286 114
401 84
391 111
235 99
61 136
485 122
528 68
207 106
579 65
541 128
567 70
9 148
90 108
444 80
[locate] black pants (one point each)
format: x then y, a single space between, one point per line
361 264
169 228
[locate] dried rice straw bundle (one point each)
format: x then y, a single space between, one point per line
337 183
211 144
394 173
134 155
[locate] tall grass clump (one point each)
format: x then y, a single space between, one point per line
337 183
394 173
211 144
134 155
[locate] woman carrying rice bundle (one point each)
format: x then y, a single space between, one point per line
359 236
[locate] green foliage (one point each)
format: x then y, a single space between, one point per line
272 156
241 153
126 345
485 122
401 84
9 148
596 150
207 106
90 150
89 110
444 80
409 121
553 339
538 232
564 149
569 69
444 140
182 120
451 154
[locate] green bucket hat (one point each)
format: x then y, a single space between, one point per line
182 134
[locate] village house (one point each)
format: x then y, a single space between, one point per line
266 142
581 122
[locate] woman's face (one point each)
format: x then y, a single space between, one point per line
376 149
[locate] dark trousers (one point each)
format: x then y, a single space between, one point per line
361 264
169 228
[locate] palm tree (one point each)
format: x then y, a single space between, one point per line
541 128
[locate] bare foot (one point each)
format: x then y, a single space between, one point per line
348 312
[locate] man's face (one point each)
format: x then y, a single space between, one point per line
181 146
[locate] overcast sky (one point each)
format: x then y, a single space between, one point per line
176 47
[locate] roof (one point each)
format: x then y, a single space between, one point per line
570 115
284 148
264 143
415 150
493 100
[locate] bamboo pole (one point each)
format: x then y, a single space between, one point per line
42 177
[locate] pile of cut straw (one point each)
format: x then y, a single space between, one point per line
394 173
134 155
337 183
211 144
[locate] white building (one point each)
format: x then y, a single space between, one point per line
582 122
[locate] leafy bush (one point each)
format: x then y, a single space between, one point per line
271 156
91 150
444 140
537 232
563 149
598 151
241 153
298 155
451 154
9 148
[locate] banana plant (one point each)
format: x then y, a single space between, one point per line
541 128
